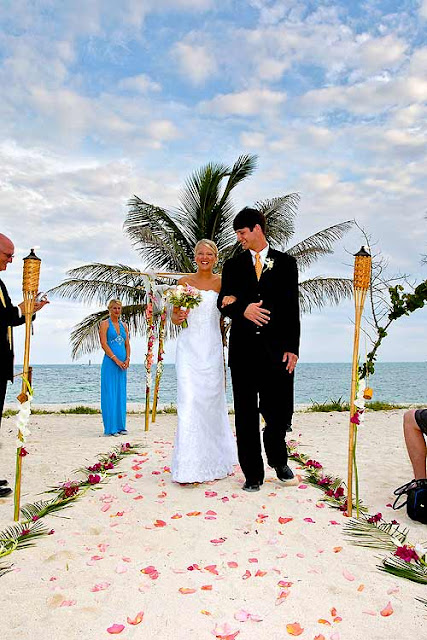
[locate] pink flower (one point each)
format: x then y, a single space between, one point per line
108 465
95 467
51 532
314 464
376 518
23 452
356 418
94 479
35 518
406 553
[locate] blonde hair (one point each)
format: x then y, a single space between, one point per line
207 243
113 302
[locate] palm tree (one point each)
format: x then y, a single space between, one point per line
165 241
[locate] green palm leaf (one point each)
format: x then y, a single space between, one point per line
159 237
378 535
100 282
409 570
5 568
319 244
320 291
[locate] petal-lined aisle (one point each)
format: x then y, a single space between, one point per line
142 556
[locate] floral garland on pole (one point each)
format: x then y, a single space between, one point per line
149 319
159 366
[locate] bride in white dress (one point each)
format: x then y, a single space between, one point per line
205 447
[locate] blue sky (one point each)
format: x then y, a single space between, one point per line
105 99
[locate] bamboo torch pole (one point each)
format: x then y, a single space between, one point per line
159 367
30 286
361 282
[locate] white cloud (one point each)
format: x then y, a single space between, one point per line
245 103
140 84
195 61
423 9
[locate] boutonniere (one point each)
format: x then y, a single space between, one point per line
269 264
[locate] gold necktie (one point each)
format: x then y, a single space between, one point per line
258 266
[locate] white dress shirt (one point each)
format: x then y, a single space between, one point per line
262 255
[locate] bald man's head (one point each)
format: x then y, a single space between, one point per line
6 251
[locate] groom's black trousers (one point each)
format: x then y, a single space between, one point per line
261 388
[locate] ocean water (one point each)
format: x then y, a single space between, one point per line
315 382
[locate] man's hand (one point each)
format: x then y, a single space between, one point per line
39 304
291 360
256 314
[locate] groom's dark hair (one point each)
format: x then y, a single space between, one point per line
248 217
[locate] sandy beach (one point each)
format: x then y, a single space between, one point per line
206 560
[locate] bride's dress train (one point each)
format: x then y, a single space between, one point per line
205 447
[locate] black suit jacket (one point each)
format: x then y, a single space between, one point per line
278 289
9 317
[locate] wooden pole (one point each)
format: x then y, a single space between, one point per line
361 282
30 285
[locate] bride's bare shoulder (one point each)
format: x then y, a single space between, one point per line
217 283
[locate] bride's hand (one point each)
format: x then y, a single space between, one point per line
228 300
179 315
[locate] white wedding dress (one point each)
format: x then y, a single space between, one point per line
205 447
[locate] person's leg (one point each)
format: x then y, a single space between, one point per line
4 491
415 442
3 384
276 407
246 419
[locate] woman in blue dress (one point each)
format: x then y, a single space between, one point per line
114 337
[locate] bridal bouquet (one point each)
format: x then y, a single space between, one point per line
185 297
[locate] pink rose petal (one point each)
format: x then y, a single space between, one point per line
68 603
116 628
347 575
387 611
101 586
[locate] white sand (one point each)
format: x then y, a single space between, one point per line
50 592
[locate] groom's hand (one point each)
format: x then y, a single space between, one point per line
291 360
255 313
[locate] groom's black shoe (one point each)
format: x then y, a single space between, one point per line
3 483
251 486
284 473
5 491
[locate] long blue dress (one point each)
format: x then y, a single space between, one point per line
113 382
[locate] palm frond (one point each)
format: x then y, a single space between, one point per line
5 568
378 535
321 243
44 507
320 291
101 282
20 536
159 236
414 572
280 214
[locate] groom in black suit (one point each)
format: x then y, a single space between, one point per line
10 316
263 345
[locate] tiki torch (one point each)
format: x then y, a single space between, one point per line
361 282
30 287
